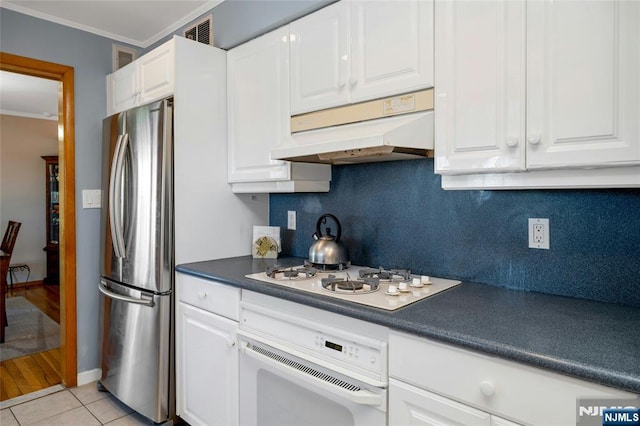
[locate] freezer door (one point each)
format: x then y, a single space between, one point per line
136 349
137 179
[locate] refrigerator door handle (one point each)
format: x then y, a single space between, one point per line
112 184
115 196
104 290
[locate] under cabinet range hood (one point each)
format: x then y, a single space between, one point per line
395 128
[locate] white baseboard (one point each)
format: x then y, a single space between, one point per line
89 376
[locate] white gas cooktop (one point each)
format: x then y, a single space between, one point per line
391 294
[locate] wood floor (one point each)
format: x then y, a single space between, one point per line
37 371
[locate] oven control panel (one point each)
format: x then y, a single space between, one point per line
321 335
349 351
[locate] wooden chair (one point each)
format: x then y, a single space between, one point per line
9 240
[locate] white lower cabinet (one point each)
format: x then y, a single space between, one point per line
410 405
206 352
436 384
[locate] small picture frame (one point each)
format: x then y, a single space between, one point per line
122 56
266 242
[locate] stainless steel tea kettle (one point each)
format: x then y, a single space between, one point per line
328 251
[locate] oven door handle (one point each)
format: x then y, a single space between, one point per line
362 397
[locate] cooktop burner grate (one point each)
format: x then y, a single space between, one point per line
328 268
348 286
386 274
291 274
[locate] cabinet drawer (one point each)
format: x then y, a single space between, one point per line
209 295
409 405
528 394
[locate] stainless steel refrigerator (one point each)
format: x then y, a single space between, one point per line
137 259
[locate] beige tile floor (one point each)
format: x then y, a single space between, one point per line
81 406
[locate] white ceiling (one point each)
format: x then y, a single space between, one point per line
140 23
27 96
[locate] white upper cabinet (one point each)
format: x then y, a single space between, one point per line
550 89
148 78
480 86
391 48
353 51
156 73
258 119
320 59
258 107
122 89
195 75
583 84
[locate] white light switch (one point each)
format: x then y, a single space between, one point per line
91 198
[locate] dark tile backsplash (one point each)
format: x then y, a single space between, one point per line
395 214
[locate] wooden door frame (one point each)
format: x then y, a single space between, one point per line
66 155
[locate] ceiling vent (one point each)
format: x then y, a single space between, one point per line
122 56
201 31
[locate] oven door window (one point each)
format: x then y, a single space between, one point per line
280 389
283 402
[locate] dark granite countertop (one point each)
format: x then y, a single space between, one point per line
595 341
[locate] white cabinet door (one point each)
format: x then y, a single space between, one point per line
207 367
156 73
147 79
319 59
122 89
583 89
409 405
391 47
258 107
575 73
353 51
480 86
490 383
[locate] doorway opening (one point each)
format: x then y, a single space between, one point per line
67 244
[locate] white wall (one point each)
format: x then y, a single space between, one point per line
23 141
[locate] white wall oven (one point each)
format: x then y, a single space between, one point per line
300 365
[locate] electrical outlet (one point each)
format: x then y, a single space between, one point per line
539 233
291 220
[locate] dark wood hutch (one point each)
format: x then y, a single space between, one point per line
52 220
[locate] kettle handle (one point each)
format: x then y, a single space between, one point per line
319 223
